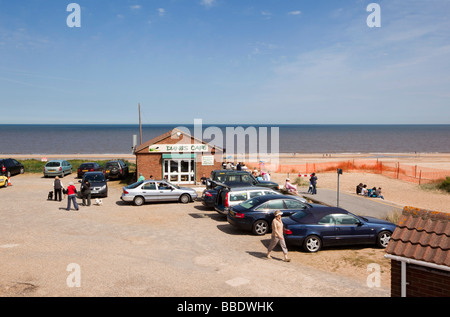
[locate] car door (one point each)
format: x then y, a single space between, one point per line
351 230
166 192
150 192
270 207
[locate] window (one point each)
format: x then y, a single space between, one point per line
342 219
256 194
276 204
293 204
238 197
163 186
149 186
327 220
247 179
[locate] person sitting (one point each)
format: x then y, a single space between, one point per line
378 193
289 187
364 191
358 188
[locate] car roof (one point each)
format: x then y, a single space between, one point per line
231 171
313 215
249 188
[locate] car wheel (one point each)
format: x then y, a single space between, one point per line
383 239
6 183
260 227
185 198
138 200
312 244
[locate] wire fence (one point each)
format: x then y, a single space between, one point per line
411 173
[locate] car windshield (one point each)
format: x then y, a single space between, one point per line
95 178
111 164
248 204
53 164
299 215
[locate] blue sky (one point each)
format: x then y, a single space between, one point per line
225 61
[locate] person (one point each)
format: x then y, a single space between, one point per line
310 188
151 177
277 236
58 188
141 178
289 187
313 181
378 193
239 166
266 176
203 179
71 196
364 190
358 188
86 192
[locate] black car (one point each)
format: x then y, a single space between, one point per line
99 185
257 214
9 167
116 169
88 167
235 177
329 226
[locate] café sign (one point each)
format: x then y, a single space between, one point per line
178 148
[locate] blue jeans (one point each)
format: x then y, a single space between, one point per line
74 199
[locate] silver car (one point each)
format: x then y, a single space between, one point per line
57 168
155 191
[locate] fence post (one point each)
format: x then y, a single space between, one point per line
420 177
398 169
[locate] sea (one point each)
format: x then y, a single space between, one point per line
289 138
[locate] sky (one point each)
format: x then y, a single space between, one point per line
225 62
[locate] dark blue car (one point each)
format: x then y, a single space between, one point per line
329 226
256 214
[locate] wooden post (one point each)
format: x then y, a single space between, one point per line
420 177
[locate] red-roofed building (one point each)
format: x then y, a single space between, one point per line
419 253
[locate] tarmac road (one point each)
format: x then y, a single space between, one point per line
165 250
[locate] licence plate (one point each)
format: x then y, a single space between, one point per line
51 170
85 171
107 171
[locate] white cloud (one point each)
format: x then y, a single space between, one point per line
297 12
208 3
135 7
161 12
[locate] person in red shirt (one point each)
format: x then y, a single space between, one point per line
72 196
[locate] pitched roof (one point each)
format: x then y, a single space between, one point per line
169 134
422 235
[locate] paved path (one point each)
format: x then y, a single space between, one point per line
363 206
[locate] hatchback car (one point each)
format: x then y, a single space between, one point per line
57 168
157 191
257 214
228 197
99 185
316 228
3 181
116 169
88 167
9 167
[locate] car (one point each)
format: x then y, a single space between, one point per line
9 167
3 181
99 184
256 214
228 197
234 176
57 168
157 191
88 167
329 226
116 169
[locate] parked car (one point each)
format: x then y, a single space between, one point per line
156 191
3 181
116 169
257 214
233 176
228 197
99 184
9 167
88 167
316 228
57 168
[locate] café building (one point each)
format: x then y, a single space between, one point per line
177 157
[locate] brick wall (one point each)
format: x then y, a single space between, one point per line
421 281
